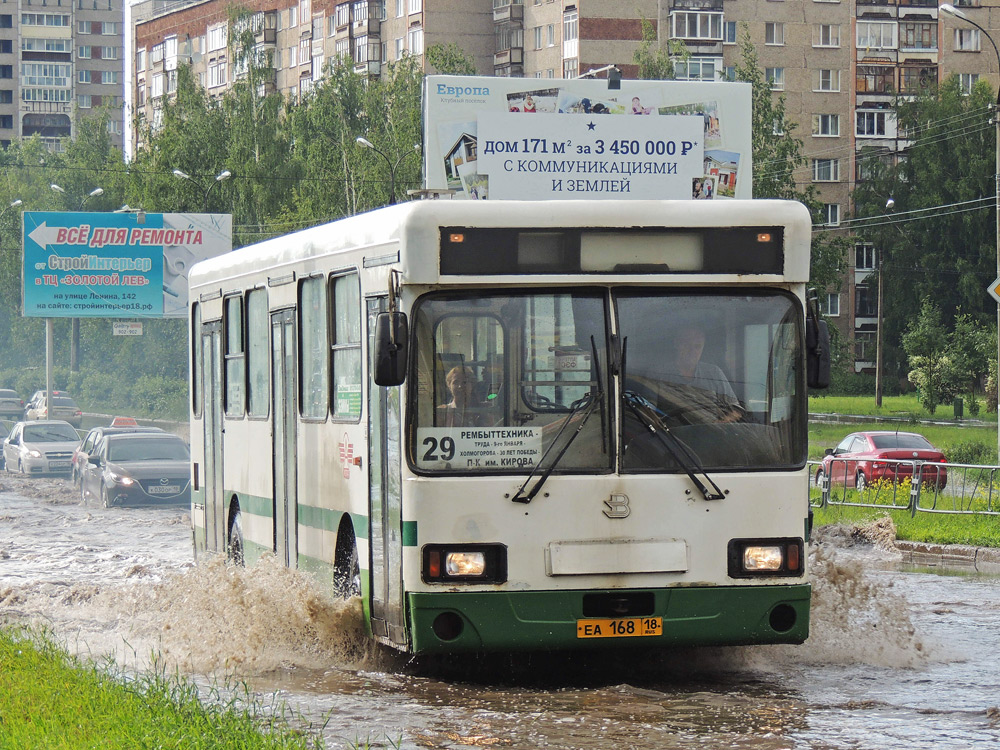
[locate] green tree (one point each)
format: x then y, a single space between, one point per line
934 243
971 349
449 59
932 370
656 61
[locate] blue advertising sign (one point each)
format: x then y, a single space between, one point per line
110 265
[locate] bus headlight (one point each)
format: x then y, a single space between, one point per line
752 558
763 558
468 563
465 563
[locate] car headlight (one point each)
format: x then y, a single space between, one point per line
121 479
34 453
751 558
470 563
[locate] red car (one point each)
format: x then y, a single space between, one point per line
863 458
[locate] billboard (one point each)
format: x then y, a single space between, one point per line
546 139
111 265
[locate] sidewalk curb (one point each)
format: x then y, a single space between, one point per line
981 559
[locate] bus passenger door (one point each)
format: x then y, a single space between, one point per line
384 501
211 358
284 410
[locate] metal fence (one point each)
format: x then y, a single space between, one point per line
917 486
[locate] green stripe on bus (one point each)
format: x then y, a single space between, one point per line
409 533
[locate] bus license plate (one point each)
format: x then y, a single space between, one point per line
627 627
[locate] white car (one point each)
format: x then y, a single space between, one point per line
43 447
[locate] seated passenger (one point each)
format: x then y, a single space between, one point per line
463 410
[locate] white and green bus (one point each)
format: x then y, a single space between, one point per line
513 425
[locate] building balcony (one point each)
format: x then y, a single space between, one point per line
513 56
508 13
715 5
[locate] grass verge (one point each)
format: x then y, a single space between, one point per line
933 528
51 700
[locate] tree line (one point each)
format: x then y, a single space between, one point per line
297 163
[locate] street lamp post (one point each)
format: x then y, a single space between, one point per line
221 177
74 336
953 11
393 166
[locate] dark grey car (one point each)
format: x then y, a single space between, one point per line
138 469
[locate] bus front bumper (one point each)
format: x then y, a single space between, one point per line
709 616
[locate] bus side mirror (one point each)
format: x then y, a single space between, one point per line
391 345
817 353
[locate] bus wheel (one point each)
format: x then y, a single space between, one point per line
234 551
347 576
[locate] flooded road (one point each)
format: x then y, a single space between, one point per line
896 659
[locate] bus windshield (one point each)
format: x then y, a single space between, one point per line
500 379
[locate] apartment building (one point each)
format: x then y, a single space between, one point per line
59 60
840 65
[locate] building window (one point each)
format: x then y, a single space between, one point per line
217 74
874 79
826 170
550 35
111 76
865 304
876 35
109 28
83 76
84 101
774 33
691 25
217 37
6 122
416 6
415 40
966 81
140 60
826 125
729 32
571 67
400 8
45 19
831 214
871 124
826 80
918 35
571 33
967 40
830 305
775 77
156 87
538 37
913 80
697 69
826 35
864 256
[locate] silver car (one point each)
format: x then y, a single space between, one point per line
43 447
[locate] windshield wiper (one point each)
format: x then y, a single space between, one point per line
585 406
649 416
